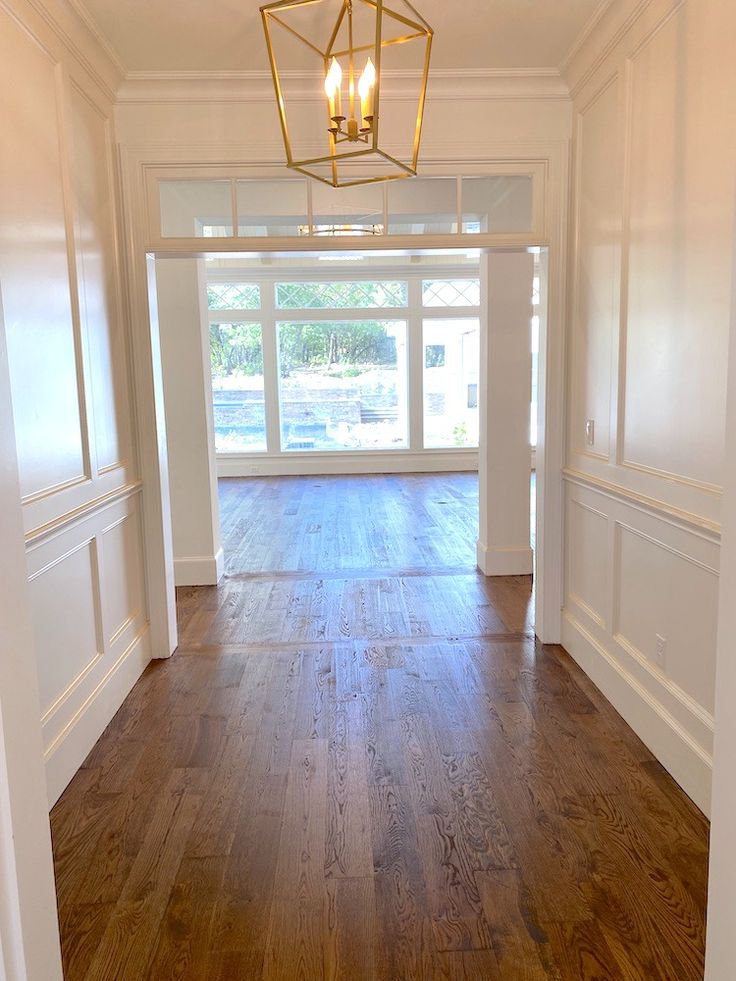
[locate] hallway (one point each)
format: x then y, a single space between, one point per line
360 764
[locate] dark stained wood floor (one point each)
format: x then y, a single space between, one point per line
360 765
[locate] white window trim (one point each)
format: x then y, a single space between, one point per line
413 456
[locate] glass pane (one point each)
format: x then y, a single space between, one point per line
535 380
233 296
497 204
343 385
272 208
451 292
323 296
422 206
451 363
236 353
195 209
347 210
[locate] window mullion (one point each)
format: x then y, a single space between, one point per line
270 367
416 366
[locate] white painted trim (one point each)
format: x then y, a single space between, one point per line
661 509
548 157
78 737
169 87
28 914
199 570
689 763
504 561
365 462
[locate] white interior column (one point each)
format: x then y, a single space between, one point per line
505 393
184 332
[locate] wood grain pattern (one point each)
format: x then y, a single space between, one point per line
360 766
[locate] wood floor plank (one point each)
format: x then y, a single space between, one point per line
516 936
361 765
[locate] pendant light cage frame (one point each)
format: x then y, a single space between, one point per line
346 154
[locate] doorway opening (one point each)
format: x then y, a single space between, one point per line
336 365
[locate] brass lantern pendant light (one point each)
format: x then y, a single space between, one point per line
339 52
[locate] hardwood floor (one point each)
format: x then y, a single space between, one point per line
360 765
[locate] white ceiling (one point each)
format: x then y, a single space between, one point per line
226 35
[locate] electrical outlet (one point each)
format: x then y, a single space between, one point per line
660 654
255 469
590 432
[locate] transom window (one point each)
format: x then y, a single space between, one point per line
451 293
358 295
233 296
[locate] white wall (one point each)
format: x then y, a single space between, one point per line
70 380
29 937
650 286
184 335
722 873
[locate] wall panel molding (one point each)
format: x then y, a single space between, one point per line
688 762
688 519
74 415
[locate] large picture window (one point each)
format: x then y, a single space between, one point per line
305 364
342 385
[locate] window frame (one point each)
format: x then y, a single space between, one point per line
414 314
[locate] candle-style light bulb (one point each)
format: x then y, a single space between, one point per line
366 85
333 82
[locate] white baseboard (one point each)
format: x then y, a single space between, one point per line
517 561
70 749
365 462
688 763
199 570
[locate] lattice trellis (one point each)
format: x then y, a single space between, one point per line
451 293
340 296
233 296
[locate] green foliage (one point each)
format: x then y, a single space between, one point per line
307 345
235 349
460 434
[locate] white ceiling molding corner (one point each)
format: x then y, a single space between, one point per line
603 34
257 86
583 36
71 24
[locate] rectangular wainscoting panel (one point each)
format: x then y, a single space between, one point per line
640 613
588 570
48 399
91 630
666 593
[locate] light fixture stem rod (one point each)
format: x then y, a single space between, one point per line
351 62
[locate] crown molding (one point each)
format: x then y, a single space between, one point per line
81 11
604 33
257 86
73 32
583 36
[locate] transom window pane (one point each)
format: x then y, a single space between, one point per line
451 292
233 296
451 368
502 203
236 354
341 296
195 209
343 386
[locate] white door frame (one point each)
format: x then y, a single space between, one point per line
549 160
